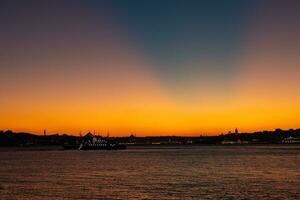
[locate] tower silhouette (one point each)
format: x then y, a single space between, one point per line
236 131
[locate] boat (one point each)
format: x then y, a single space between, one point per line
93 142
291 140
99 143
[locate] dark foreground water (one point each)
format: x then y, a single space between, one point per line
214 172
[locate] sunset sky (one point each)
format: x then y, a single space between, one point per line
149 67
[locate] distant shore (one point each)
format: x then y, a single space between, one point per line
28 141
154 146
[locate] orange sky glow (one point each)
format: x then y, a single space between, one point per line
126 96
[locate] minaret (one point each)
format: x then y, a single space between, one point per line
44 132
236 131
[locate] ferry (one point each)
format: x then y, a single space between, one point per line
92 142
291 140
99 143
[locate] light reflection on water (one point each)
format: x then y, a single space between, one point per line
205 172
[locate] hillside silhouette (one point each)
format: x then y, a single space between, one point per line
12 139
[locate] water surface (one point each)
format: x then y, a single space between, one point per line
182 172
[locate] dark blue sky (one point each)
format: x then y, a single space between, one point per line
179 36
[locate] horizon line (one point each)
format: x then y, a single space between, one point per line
136 135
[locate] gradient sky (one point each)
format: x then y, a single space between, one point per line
149 67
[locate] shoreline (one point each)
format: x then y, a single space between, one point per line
149 146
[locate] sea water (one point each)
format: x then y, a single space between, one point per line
153 172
